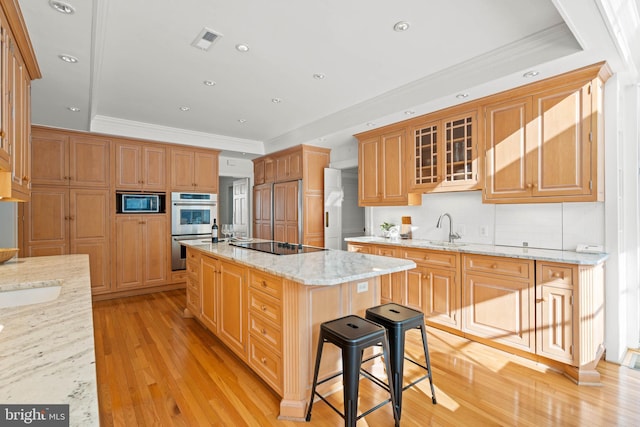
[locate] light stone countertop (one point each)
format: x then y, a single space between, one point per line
330 267
569 257
47 353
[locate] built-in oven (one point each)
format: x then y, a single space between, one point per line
192 216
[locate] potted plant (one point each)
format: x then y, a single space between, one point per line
386 227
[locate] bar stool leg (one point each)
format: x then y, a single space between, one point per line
391 380
396 349
315 375
427 359
351 360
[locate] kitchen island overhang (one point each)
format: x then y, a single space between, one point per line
268 309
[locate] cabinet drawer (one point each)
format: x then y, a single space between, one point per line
359 248
271 285
265 306
266 363
557 274
267 332
193 266
498 265
193 255
436 258
385 251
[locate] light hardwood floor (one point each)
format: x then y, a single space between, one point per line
156 368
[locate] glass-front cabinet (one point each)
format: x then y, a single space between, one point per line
445 153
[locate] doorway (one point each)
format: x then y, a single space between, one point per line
234 204
353 216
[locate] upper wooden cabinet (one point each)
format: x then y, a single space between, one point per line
67 159
289 166
18 67
543 147
263 170
444 152
382 177
194 170
140 166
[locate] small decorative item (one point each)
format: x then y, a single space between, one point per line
386 226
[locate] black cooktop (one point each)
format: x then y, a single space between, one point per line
277 248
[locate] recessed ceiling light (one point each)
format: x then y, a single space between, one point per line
371 124
68 58
401 26
318 76
322 139
209 83
184 108
74 109
62 7
242 48
242 120
276 100
530 74
409 112
462 95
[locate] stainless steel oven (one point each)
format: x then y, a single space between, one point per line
192 215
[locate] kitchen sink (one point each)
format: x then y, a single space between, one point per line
31 293
445 244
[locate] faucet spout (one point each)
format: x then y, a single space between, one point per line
452 235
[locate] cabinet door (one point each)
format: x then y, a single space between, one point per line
262 212
89 233
5 158
460 152
19 135
156 249
269 171
425 156
415 288
47 222
232 326
506 141
500 309
258 172
554 317
285 212
129 252
182 164
562 150
392 178
49 159
205 170
369 171
128 166
154 170
209 292
441 297
89 161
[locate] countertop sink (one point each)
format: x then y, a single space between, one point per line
446 244
31 293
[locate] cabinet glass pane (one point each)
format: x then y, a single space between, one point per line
426 145
458 147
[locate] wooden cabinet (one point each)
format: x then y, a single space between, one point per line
444 152
194 170
140 166
498 300
195 297
63 221
382 176
262 209
209 287
297 196
232 312
67 159
265 327
263 171
392 286
544 146
142 251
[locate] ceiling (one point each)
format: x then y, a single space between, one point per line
137 67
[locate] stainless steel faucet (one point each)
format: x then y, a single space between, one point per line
452 235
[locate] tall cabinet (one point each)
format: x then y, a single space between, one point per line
18 67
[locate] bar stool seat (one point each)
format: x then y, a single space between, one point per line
353 334
398 319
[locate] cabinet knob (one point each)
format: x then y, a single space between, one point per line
263 360
263 308
71 218
426 257
494 266
529 185
263 331
25 178
557 275
264 284
539 300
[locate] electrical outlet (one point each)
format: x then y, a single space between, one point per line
363 287
462 229
484 231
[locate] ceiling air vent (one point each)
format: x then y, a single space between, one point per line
206 38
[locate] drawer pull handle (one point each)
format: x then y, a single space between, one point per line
264 284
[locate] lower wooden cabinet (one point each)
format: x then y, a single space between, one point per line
142 245
194 295
209 290
232 300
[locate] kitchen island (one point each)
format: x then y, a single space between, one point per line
47 349
268 308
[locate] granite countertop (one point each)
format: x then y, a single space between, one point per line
330 267
47 351
569 257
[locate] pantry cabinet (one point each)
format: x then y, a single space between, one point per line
262 211
140 166
194 170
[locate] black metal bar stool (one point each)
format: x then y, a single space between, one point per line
398 319
353 334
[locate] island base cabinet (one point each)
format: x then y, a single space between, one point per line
209 291
232 311
194 299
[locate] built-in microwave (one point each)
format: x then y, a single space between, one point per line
140 203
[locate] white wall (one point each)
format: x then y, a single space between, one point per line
8 225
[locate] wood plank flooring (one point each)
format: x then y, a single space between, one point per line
156 368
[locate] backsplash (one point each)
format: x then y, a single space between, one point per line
540 225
